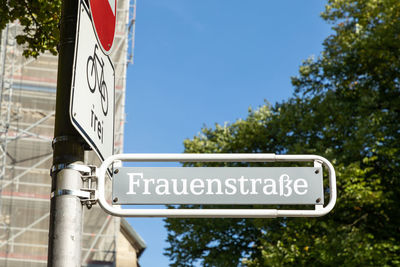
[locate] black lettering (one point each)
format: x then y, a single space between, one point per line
97 125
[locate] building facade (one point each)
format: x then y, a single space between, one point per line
27 105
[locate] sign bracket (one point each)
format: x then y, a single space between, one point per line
87 194
319 210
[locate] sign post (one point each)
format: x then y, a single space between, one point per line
64 247
90 114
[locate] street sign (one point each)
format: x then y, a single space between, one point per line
290 185
93 85
218 185
104 20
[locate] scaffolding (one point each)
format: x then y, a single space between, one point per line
27 104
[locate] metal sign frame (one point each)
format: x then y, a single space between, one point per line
319 210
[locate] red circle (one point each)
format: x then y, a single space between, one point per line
104 20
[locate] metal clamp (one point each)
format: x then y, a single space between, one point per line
66 138
91 179
91 199
68 192
83 169
88 195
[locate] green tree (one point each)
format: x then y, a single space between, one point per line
346 108
39 20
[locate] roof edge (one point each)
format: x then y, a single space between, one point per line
133 237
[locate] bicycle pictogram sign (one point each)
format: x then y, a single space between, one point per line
95 78
92 88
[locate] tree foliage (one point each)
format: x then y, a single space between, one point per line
39 20
346 108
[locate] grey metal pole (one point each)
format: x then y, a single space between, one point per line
66 210
65 242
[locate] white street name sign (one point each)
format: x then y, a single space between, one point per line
218 185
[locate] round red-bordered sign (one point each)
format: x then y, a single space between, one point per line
104 20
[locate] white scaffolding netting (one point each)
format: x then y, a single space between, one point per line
27 104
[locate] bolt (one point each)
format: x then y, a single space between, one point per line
318 200
74 114
316 171
115 199
116 171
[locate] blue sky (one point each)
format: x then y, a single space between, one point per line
198 63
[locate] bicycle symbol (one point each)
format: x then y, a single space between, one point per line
95 80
